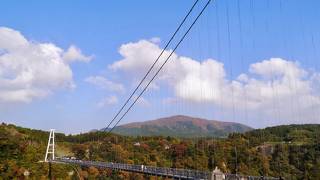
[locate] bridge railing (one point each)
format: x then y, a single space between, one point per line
161 171
152 170
243 177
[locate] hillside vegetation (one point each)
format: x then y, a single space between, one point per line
290 151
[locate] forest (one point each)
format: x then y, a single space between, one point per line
289 151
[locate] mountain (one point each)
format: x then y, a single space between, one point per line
181 126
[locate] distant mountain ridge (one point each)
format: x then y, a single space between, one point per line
181 126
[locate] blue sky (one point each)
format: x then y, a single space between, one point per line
285 29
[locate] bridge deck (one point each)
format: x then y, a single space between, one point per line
159 171
151 170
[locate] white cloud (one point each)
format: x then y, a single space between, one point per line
136 60
270 85
110 100
74 54
30 70
11 39
104 83
156 40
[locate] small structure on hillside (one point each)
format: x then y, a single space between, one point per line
26 173
166 147
70 173
217 174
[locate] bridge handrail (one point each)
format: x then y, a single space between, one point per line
172 172
159 171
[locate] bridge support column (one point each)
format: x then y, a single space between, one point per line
50 146
50 172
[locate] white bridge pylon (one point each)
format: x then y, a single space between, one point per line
50 146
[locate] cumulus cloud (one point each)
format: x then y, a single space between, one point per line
180 73
104 83
30 70
74 54
269 85
135 58
110 100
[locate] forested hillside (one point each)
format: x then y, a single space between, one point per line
290 151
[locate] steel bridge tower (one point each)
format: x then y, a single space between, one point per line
50 146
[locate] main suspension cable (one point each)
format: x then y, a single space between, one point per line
158 71
152 66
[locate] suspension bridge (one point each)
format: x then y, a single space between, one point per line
142 86
173 173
